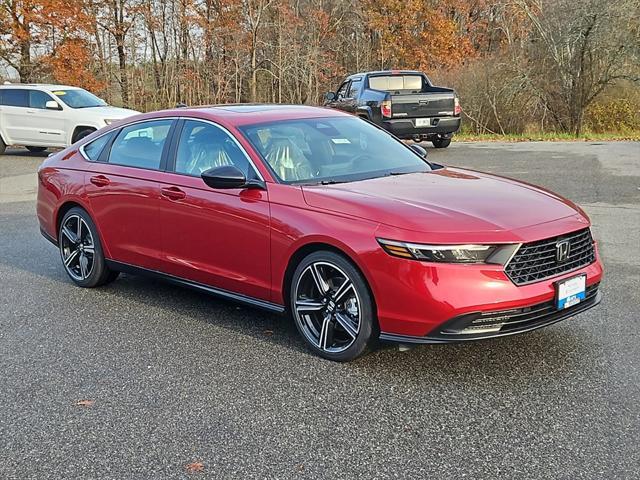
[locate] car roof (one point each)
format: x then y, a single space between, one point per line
248 114
42 86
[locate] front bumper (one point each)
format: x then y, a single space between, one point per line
405 127
508 322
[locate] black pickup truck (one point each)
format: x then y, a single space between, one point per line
401 101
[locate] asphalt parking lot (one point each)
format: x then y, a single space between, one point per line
178 377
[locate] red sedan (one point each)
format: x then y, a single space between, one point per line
323 215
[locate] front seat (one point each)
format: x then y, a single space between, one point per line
287 160
203 155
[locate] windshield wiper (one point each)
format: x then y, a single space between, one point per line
330 182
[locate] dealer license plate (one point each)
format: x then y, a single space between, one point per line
423 122
570 292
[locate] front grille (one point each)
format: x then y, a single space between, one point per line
515 320
536 261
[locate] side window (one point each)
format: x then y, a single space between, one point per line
38 99
203 146
354 89
141 145
14 97
93 149
342 91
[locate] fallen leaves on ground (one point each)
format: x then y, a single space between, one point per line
194 467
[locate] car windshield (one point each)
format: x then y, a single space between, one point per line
78 98
331 150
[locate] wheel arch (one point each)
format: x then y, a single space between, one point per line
315 246
68 205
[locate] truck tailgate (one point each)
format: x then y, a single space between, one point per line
422 105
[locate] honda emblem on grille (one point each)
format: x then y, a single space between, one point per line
562 251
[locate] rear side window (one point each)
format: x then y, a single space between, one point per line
141 145
38 99
354 89
396 82
14 97
93 149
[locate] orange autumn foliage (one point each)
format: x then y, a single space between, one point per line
419 34
71 64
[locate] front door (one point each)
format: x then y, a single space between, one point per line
47 128
218 238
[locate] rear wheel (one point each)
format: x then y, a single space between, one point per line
81 250
36 149
441 142
332 307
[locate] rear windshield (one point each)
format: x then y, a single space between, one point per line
396 82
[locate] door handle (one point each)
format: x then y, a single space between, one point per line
173 193
100 181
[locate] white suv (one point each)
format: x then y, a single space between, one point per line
41 116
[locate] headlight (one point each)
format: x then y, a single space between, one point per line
109 121
494 254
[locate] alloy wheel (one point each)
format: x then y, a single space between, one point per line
327 307
77 248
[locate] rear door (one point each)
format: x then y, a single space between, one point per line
219 238
124 193
14 103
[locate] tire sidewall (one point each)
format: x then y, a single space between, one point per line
82 134
367 334
99 265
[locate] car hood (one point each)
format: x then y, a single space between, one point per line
447 201
109 112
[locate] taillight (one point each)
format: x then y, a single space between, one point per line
456 106
385 108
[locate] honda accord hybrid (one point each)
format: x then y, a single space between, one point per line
320 215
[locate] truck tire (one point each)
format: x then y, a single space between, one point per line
36 149
80 134
441 142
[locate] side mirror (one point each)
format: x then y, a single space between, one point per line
329 97
228 177
224 177
52 105
419 150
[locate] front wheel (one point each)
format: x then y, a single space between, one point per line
332 307
81 250
36 149
441 142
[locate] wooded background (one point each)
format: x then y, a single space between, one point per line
518 65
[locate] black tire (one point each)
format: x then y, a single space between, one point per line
36 149
441 142
80 134
3 147
346 334
72 251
